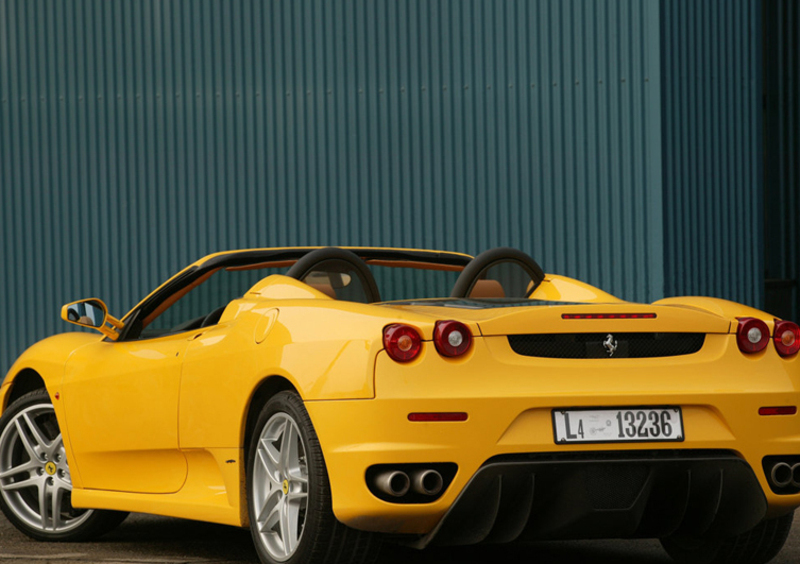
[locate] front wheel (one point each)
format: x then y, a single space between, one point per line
756 546
288 493
35 484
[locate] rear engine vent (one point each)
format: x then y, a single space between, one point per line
607 345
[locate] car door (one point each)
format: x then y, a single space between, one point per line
122 398
121 402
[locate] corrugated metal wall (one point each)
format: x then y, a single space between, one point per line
711 77
782 157
138 136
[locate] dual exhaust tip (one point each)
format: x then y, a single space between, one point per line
396 483
783 475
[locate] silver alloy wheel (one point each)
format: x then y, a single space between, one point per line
34 476
280 486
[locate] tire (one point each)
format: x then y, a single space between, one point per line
289 496
35 485
756 546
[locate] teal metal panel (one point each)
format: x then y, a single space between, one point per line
782 157
712 160
138 136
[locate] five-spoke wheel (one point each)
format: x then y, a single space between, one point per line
34 476
280 486
289 496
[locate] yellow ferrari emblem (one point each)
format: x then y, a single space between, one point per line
286 487
50 468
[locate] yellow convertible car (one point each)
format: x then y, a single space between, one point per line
333 398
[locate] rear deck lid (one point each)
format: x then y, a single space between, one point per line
522 317
601 318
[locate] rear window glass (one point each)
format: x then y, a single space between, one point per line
396 283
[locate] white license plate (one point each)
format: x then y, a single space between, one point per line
618 425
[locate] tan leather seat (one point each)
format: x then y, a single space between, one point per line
487 289
326 289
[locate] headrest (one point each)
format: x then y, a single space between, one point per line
487 289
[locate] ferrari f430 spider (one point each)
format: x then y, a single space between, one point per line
333 398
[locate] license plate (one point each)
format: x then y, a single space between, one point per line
618 425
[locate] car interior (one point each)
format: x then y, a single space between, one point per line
341 274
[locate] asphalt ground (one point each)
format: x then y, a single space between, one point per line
147 539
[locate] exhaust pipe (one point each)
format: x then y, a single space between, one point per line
796 475
430 482
392 482
782 474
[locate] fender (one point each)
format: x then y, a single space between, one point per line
47 358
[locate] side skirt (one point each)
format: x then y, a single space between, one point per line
212 491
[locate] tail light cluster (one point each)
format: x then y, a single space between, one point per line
753 336
452 338
403 343
787 338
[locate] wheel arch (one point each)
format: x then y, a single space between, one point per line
25 381
267 388
42 366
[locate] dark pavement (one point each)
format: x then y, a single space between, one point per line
145 539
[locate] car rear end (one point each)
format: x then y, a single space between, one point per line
570 421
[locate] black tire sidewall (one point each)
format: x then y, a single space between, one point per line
318 509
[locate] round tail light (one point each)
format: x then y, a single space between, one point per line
752 335
402 342
786 338
452 338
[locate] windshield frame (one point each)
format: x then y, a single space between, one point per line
183 281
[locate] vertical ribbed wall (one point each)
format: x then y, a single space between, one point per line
711 80
138 136
782 156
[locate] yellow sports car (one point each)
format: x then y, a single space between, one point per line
332 398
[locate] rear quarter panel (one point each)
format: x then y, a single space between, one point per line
325 349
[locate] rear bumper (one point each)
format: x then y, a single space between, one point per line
510 400
611 495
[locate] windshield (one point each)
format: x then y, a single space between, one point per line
207 296
202 301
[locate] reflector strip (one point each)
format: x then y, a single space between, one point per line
451 416
781 410
608 316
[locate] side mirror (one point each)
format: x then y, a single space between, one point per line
92 313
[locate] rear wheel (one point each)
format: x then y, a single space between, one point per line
289 497
756 546
35 483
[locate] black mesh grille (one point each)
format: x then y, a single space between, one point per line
607 345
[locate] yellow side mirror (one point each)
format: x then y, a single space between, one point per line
92 313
